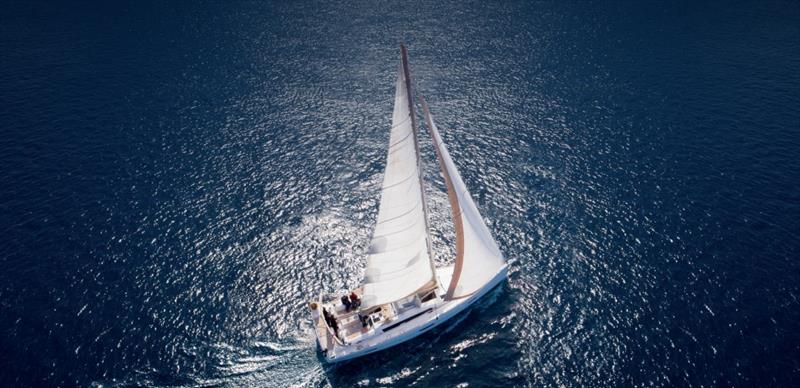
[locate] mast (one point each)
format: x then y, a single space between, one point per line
415 131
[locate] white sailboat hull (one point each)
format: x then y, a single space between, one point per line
409 325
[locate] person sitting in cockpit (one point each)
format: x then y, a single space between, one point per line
354 300
346 302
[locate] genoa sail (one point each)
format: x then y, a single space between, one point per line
478 258
399 260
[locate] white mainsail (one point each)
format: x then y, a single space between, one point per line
478 258
399 260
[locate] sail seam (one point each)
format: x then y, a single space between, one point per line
397 183
403 258
400 215
401 140
399 147
414 240
395 273
400 123
398 231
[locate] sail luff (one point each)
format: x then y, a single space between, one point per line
415 131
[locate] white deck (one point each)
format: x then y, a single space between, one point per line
399 326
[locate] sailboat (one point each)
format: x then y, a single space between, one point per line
403 294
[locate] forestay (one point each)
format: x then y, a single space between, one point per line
478 258
398 261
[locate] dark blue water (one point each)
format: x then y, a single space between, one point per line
178 179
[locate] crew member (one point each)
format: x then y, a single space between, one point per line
347 303
354 300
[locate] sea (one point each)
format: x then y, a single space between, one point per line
178 179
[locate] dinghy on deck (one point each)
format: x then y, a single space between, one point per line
403 293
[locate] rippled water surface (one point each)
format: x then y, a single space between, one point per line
177 180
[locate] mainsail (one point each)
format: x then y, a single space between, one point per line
399 259
478 258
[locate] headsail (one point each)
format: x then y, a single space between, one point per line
399 260
478 257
